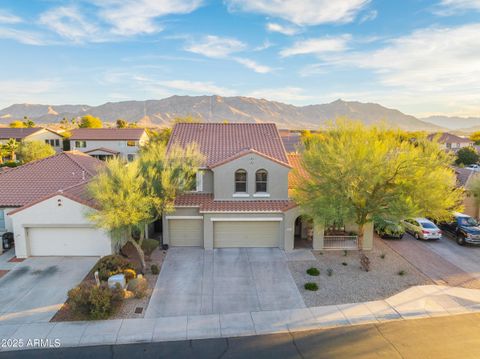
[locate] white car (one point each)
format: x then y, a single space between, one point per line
474 167
422 228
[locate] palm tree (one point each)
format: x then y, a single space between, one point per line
11 148
2 152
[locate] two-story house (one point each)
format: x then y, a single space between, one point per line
241 197
104 143
32 134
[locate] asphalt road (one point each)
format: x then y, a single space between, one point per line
441 337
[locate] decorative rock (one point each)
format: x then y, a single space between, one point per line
117 278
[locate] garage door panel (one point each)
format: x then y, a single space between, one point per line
186 232
245 234
68 241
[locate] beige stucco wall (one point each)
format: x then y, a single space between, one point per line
46 135
470 206
117 145
49 213
224 178
8 219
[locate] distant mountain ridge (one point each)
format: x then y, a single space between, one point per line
464 124
218 109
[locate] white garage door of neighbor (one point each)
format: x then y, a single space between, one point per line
186 232
67 241
245 234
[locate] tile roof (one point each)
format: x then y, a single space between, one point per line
463 175
221 141
296 176
113 134
7 132
207 204
446 137
292 141
27 183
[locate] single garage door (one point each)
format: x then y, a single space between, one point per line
185 232
245 234
68 241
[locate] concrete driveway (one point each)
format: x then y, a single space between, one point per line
194 281
35 289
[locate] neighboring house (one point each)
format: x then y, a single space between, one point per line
32 134
292 141
241 197
44 204
104 143
465 177
449 141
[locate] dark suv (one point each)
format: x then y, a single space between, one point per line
465 229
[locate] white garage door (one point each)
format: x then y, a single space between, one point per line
185 232
245 234
68 241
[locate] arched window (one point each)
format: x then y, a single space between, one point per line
261 178
241 181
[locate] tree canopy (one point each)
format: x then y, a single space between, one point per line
34 150
89 121
475 137
358 173
121 123
16 124
467 156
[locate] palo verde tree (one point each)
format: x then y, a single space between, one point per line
358 173
34 150
89 121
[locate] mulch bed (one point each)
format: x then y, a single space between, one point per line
3 272
16 260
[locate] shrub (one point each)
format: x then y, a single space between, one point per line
313 271
94 302
138 286
365 262
155 270
402 273
329 272
129 274
149 245
383 255
311 286
110 265
344 263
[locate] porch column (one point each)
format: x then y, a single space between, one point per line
368 236
318 234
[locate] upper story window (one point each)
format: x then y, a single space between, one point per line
80 144
261 177
53 143
131 143
241 181
199 181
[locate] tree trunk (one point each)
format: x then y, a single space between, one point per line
140 253
360 236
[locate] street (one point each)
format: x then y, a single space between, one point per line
441 337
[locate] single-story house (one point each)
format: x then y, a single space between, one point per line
449 141
44 204
32 134
104 143
241 197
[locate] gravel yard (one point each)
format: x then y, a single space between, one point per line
349 283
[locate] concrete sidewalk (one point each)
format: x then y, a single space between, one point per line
415 302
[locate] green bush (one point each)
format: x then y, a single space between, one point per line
401 273
155 270
94 302
138 286
313 271
110 265
10 164
149 245
311 286
344 264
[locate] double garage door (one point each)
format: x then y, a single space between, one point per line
226 234
68 241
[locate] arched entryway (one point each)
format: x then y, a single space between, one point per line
303 232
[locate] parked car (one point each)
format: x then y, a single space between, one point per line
389 229
422 228
7 240
464 228
474 167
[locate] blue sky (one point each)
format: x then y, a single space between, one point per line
419 56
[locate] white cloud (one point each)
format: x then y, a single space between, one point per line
317 46
215 46
252 65
8 18
69 23
131 17
266 45
282 29
370 16
460 4
197 87
302 12
28 91
285 94
24 37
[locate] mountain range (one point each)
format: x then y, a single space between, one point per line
231 109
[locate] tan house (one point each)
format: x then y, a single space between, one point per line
32 134
450 141
242 193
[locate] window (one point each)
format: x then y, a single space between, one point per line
130 157
53 143
2 220
131 143
261 181
80 144
241 181
199 181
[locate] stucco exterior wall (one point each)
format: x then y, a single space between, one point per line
119 146
50 214
470 206
224 178
46 135
207 181
8 219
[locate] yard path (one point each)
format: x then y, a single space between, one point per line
425 258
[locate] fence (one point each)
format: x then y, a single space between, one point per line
340 242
